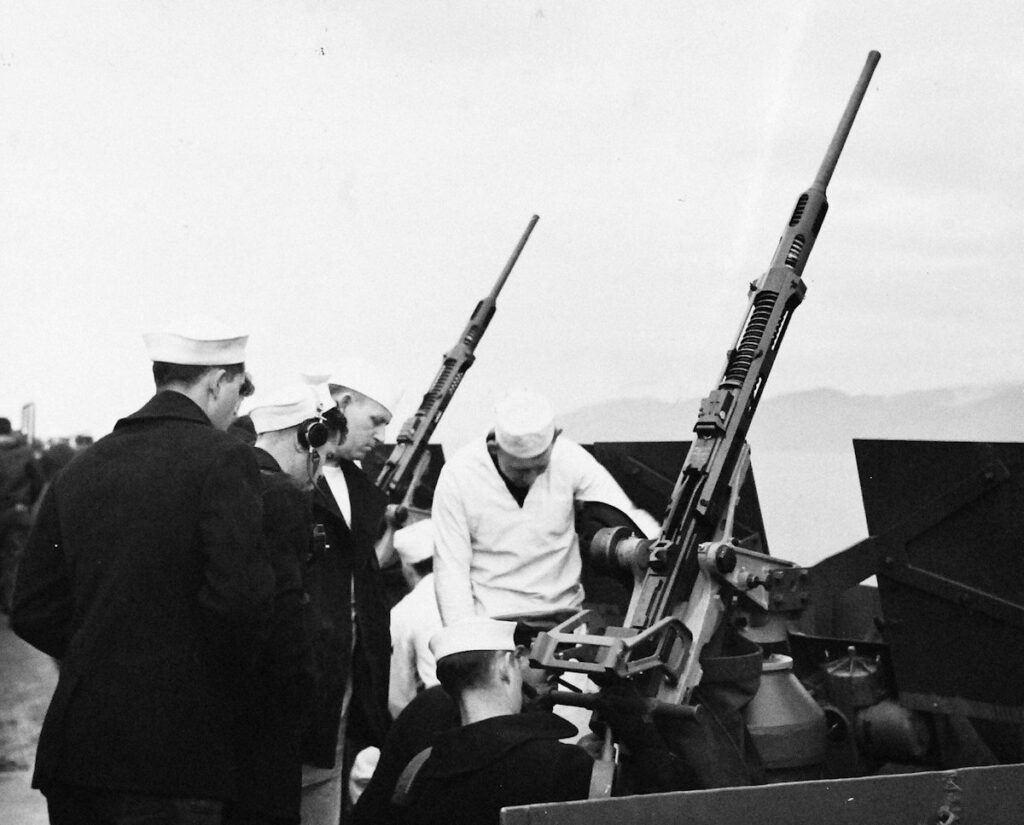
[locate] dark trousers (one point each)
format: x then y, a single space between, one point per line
85 806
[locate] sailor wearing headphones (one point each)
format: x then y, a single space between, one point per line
293 433
291 438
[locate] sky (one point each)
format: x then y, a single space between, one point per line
349 178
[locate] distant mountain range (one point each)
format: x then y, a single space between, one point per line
820 420
802 448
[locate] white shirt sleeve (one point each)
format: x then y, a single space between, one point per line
402 686
453 553
595 483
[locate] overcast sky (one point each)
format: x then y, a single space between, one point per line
350 178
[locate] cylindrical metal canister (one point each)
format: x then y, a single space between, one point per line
787 725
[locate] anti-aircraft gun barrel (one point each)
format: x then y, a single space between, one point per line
676 608
401 465
828 165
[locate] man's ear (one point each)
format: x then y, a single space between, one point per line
216 378
343 399
504 664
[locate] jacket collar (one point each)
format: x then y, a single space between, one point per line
350 470
265 461
326 498
469 748
166 405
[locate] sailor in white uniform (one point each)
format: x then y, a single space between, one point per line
504 516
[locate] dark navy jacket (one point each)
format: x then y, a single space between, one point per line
348 565
277 696
476 770
147 576
431 712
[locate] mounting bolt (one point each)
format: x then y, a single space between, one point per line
725 560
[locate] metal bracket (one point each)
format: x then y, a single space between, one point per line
622 651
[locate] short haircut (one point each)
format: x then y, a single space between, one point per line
5 426
165 373
459 672
336 423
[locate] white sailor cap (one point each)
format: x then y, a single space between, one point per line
316 377
473 634
284 407
315 374
524 424
366 378
197 341
415 543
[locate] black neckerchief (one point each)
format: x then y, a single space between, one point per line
518 493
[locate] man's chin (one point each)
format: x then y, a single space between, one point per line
337 458
363 452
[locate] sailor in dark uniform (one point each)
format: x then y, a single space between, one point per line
352 639
147 576
291 436
498 756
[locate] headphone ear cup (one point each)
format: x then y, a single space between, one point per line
313 434
318 434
